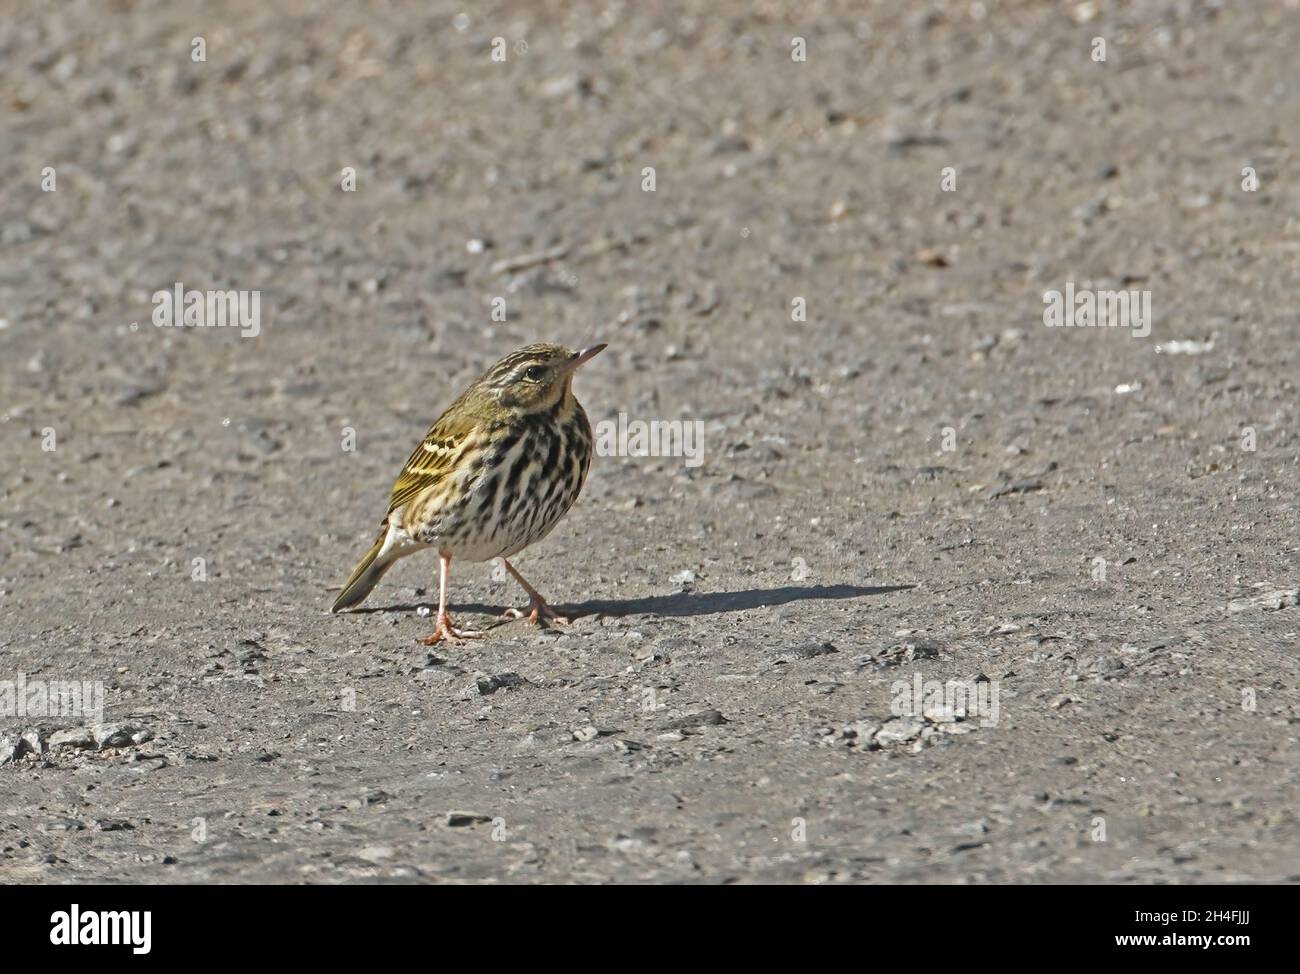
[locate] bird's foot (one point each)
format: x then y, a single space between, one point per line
445 630
538 611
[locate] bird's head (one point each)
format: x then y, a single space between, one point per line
535 377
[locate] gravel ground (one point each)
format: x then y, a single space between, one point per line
914 478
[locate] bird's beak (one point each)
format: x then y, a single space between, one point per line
586 355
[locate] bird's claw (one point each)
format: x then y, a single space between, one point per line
537 612
445 630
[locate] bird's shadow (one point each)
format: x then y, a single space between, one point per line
690 603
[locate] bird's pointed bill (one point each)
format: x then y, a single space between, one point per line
586 355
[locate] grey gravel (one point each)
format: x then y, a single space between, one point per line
462 819
920 474
119 735
899 730
705 718
484 686
805 651
1267 601
75 737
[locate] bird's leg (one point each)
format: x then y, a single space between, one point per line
537 607
443 628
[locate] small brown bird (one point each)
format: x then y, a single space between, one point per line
494 474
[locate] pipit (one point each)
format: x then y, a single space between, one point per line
494 474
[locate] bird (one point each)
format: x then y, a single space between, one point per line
494 474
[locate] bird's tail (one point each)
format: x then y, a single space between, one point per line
367 574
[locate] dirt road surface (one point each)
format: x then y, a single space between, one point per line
948 595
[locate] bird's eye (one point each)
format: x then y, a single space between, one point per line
534 373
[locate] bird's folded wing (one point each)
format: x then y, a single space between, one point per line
433 460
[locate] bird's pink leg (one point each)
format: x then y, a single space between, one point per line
443 628
537 607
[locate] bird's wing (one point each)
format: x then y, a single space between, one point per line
434 460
